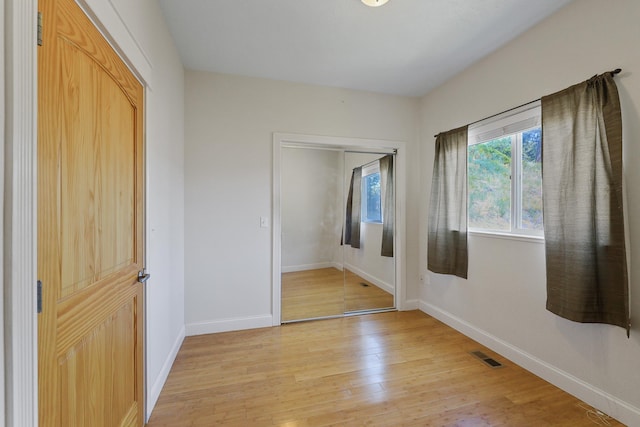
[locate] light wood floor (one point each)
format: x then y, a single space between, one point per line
328 292
385 369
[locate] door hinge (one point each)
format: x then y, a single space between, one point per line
39 28
39 297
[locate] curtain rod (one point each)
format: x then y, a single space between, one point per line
613 73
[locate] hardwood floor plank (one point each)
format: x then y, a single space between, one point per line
386 369
329 292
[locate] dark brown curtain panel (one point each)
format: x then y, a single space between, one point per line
386 176
352 219
582 203
447 238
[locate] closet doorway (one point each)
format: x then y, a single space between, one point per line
335 213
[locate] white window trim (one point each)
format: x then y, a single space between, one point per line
371 169
512 122
516 120
507 236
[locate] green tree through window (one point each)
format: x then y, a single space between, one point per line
531 189
489 178
505 183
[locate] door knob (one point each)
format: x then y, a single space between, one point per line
142 276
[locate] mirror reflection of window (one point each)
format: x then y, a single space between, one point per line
371 191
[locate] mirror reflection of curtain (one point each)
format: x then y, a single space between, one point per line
352 220
386 176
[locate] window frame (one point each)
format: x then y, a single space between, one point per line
510 124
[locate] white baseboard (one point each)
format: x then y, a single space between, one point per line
305 267
599 399
226 325
154 393
410 304
387 287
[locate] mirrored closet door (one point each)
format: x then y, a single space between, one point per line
367 254
337 232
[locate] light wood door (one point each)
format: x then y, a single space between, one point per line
90 227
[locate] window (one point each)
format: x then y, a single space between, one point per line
371 206
505 173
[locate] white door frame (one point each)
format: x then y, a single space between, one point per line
280 139
19 324
2 118
19 202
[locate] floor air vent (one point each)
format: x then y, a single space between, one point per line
486 359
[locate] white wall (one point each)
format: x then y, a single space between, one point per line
503 302
229 122
154 54
311 213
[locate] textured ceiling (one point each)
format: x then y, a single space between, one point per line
406 47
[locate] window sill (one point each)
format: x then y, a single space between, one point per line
507 236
